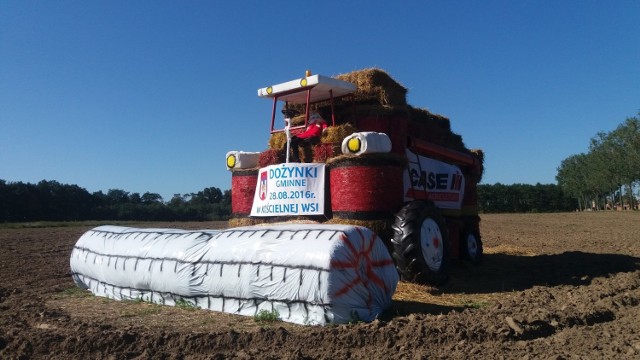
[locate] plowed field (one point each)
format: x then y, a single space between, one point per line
558 286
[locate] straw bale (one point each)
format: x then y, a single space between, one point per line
478 153
381 227
381 159
271 157
325 151
298 120
376 86
277 141
244 221
434 128
332 137
454 141
305 152
300 219
425 116
335 134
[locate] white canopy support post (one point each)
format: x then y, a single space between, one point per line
287 122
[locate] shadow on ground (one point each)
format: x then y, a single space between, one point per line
505 273
502 272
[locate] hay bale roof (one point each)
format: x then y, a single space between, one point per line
376 86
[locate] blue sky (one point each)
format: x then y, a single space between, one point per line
150 95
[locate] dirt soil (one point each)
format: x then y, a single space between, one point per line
556 286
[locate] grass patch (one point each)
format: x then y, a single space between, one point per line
138 300
476 304
186 305
264 317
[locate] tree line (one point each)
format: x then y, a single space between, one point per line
606 176
53 201
524 198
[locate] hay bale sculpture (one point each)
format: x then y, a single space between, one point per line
333 269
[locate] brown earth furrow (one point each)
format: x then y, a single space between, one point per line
558 286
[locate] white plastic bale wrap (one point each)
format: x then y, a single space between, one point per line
243 159
370 142
309 273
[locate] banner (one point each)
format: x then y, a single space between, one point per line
289 189
429 179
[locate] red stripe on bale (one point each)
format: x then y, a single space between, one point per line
271 157
366 188
243 187
324 151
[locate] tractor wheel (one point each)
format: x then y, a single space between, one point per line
421 244
472 246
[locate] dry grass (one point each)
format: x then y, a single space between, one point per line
428 296
508 249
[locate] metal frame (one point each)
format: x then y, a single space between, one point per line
307 105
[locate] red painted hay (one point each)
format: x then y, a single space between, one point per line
243 186
271 157
325 151
374 189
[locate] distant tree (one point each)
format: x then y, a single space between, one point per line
135 198
151 198
226 197
178 200
572 178
117 196
609 171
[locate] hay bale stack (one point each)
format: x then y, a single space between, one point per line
479 154
380 96
329 146
434 128
425 116
332 134
380 105
376 87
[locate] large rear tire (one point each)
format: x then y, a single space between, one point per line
472 246
421 244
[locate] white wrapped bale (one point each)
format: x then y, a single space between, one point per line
366 143
237 160
309 273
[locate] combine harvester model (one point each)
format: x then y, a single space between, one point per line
380 191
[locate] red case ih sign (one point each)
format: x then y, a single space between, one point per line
430 179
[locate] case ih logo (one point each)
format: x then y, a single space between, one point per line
435 181
456 184
430 179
